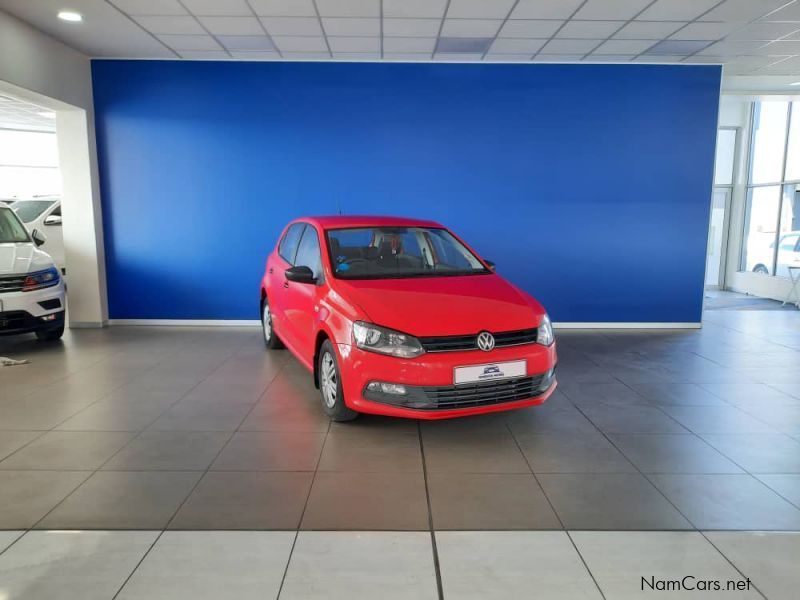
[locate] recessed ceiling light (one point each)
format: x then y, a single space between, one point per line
47 114
71 16
795 83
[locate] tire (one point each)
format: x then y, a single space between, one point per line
330 385
50 335
271 339
761 269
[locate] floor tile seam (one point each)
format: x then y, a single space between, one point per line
437 571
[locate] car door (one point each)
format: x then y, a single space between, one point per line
278 289
302 298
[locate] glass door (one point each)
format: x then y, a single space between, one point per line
717 236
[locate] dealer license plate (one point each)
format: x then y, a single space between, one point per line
490 372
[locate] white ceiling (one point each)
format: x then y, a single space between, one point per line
750 37
16 114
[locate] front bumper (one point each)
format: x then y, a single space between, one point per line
429 382
27 312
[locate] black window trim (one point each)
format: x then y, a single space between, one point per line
299 238
321 276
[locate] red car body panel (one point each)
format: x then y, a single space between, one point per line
303 315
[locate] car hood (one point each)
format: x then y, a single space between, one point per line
22 258
438 306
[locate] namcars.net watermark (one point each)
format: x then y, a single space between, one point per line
691 583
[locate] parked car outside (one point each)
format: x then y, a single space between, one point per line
400 317
31 287
788 255
43 213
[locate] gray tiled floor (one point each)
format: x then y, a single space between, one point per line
396 565
201 428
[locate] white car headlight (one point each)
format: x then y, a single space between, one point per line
385 341
544 335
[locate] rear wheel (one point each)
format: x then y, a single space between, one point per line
330 385
271 340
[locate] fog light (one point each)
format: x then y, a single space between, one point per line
547 380
387 388
49 318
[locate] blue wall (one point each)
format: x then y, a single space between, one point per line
588 185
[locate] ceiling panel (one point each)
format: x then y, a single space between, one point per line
648 30
284 8
351 26
589 29
479 9
411 27
750 35
292 25
470 27
17 114
611 9
676 10
414 8
182 25
215 8
530 28
232 25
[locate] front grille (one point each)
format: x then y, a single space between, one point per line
17 319
11 283
454 343
482 394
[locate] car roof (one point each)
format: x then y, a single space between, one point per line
345 221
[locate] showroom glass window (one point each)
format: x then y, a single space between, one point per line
771 216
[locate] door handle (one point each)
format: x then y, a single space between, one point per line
286 284
271 271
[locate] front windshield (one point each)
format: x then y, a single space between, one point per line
29 210
11 230
393 252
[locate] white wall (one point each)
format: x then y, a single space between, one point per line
37 68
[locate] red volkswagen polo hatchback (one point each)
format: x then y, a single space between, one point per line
400 317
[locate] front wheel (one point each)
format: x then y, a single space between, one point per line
330 385
761 269
50 335
271 340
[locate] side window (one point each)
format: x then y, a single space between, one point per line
308 252
288 246
788 242
56 212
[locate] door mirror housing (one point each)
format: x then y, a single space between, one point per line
53 220
38 237
300 274
490 264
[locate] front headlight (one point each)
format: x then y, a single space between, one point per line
544 335
385 341
41 279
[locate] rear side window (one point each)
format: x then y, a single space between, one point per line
308 252
288 246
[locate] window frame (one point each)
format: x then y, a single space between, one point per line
301 224
792 112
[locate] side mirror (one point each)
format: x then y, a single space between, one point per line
54 220
490 264
300 274
38 237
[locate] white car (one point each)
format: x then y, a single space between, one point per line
788 255
31 287
43 213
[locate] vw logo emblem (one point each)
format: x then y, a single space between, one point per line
485 341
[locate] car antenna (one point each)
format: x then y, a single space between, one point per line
338 207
